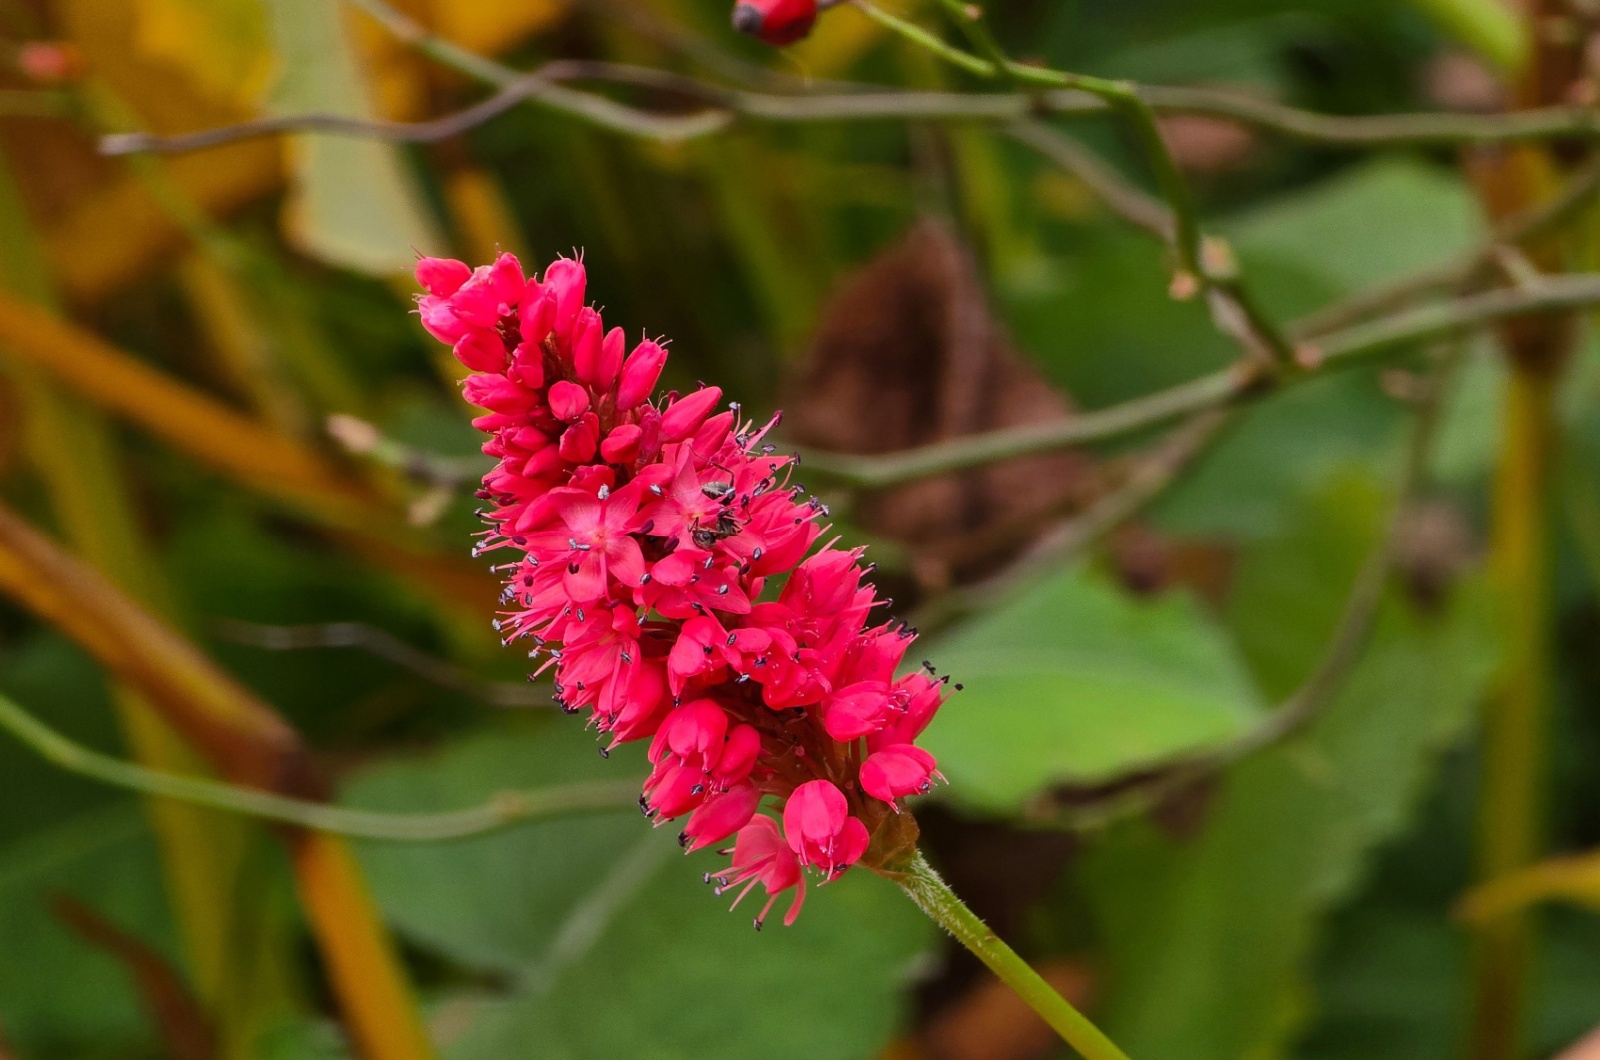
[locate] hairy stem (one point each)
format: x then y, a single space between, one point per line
934 897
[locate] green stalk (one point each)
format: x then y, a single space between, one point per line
504 810
934 897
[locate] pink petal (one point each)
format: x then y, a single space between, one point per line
902 769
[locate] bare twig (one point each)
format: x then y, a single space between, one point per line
543 85
1520 228
428 468
1234 309
1150 477
1123 97
1336 350
385 646
722 106
1133 205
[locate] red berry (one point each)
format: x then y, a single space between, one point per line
776 22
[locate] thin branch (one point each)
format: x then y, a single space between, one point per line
1521 227
541 86
385 646
1234 309
1150 477
1120 96
590 915
1380 130
1339 349
1133 205
505 810
959 454
722 106
423 466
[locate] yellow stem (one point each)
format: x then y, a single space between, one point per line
1515 728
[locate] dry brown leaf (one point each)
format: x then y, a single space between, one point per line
1204 145
908 354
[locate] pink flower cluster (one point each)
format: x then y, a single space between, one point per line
644 534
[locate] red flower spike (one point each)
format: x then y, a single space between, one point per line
643 532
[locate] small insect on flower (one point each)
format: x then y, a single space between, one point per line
643 532
775 22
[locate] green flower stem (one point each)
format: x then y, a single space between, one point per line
968 18
505 810
934 897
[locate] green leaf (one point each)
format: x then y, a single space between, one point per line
1301 251
1107 330
610 941
353 203
1075 680
1207 937
1492 28
1372 222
